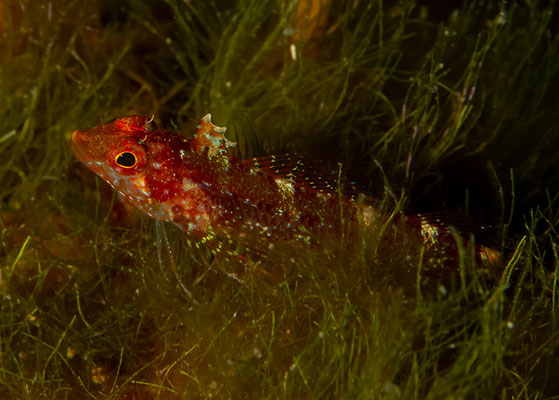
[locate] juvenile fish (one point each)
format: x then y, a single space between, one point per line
220 201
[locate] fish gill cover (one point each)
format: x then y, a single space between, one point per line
449 112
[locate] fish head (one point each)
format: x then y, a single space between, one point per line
117 152
156 170
113 149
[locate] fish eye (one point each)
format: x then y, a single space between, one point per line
126 159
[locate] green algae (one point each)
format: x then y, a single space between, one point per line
87 310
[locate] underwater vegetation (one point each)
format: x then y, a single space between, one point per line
448 111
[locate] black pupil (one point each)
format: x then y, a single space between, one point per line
126 159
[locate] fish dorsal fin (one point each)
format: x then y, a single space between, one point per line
301 169
209 136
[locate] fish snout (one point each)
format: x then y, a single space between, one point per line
76 135
79 146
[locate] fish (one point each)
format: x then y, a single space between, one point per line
231 206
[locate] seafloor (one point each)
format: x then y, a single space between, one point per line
445 110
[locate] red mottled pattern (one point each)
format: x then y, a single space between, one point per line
218 199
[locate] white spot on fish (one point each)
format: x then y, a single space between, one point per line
429 233
285 186
188 185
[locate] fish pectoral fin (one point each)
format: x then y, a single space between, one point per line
207 238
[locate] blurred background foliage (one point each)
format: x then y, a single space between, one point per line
452 106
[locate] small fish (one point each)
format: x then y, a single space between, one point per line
221 201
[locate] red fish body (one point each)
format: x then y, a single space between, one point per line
216 198
199 187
